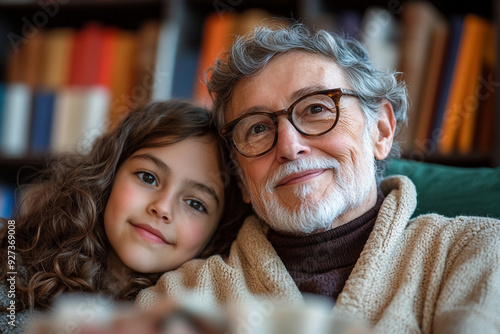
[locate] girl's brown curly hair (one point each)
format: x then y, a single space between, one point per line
60 235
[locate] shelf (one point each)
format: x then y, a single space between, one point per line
18 170
77 12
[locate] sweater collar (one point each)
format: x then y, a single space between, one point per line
340 246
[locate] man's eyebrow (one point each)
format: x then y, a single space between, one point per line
158 162
210 191
295 95
306 90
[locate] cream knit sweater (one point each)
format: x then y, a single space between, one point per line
431 274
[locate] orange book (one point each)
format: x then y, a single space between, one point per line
480 94
108 54
14 64
123 79
216 38
57 58
465 76
24 65
33 59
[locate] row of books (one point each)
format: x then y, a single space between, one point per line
64 86
449 65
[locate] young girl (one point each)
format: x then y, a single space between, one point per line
151 194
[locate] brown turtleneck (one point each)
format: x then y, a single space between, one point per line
321 263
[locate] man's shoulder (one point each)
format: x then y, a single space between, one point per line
457 232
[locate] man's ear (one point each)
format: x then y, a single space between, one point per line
384 131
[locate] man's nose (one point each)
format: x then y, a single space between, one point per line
290 145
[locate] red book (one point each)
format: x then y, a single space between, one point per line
86 54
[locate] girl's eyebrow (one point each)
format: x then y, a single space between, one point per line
210 191
158 162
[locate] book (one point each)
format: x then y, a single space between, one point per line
148 36
58 53
461 103
68 117
7 201
16 120
184 73
430 88
123 71
168 44
85 56
452 46
481 91
108 53
216 38
484 136
487 120
32 62
95 115
41 123
15 64
418 22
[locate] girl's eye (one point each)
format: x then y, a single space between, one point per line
147 178
196 205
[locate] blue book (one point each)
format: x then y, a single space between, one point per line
456 31
41 126
186 66
7 201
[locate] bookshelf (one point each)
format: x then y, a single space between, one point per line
180 38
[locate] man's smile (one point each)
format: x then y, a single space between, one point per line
300 177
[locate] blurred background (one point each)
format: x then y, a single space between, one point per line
69 69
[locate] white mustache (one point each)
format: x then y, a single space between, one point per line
298 166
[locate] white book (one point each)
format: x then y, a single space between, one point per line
14 141
96 115
68 119
165 59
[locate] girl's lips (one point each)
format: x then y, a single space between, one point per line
300 177
150 233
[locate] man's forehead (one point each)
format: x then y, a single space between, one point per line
284 79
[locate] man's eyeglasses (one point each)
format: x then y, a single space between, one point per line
254 134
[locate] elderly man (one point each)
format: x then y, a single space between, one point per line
310 122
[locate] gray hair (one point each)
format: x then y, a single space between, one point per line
251 53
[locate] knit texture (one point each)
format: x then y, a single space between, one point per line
431 274
321 263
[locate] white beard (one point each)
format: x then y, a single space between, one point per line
352 186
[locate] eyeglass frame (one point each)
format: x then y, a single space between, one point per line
335 94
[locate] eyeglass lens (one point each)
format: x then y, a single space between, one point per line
312 115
